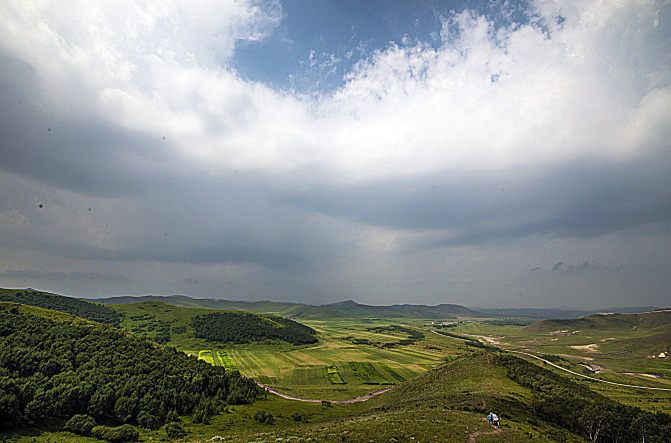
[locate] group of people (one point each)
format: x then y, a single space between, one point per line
493 420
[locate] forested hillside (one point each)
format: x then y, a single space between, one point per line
56 369
567 404
243 327
74 306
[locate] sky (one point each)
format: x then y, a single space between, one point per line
500 154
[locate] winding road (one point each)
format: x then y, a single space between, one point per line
358 399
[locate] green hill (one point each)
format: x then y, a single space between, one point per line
189 328
54 366
245 327
647 320
74 306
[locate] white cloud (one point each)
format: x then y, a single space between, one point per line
194 172
595 84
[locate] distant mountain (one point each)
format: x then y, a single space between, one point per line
532 312
558 313
626 309
210 303
647 320
344 309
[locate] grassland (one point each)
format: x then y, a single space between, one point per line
609 348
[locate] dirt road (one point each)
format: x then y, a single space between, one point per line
334 402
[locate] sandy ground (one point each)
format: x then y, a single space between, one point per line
592 347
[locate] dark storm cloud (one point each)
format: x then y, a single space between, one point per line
27 274
583 199
70 150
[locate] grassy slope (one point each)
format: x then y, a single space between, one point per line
446 404
624 346
70 305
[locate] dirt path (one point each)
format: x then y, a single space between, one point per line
358 399
588 377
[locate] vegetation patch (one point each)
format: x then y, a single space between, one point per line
206 356
74 306
412 335
244 327
367 374
227 361
333 376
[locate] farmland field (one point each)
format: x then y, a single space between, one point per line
206 356
337 367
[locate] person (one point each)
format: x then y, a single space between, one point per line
489 419
495 420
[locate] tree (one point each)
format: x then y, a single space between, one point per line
593 421
124 409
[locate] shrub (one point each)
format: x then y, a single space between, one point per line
80 424
297 416
121 433
174 430
264 417
148 420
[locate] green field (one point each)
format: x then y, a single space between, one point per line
335 368
333 376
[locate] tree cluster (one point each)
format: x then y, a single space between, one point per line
572 406
56 370
74 306
244 327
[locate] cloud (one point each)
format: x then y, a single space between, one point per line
28 274
547 120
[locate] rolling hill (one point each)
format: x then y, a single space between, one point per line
85 309
245 327
648 320
344 309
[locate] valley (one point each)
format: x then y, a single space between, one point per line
357 379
